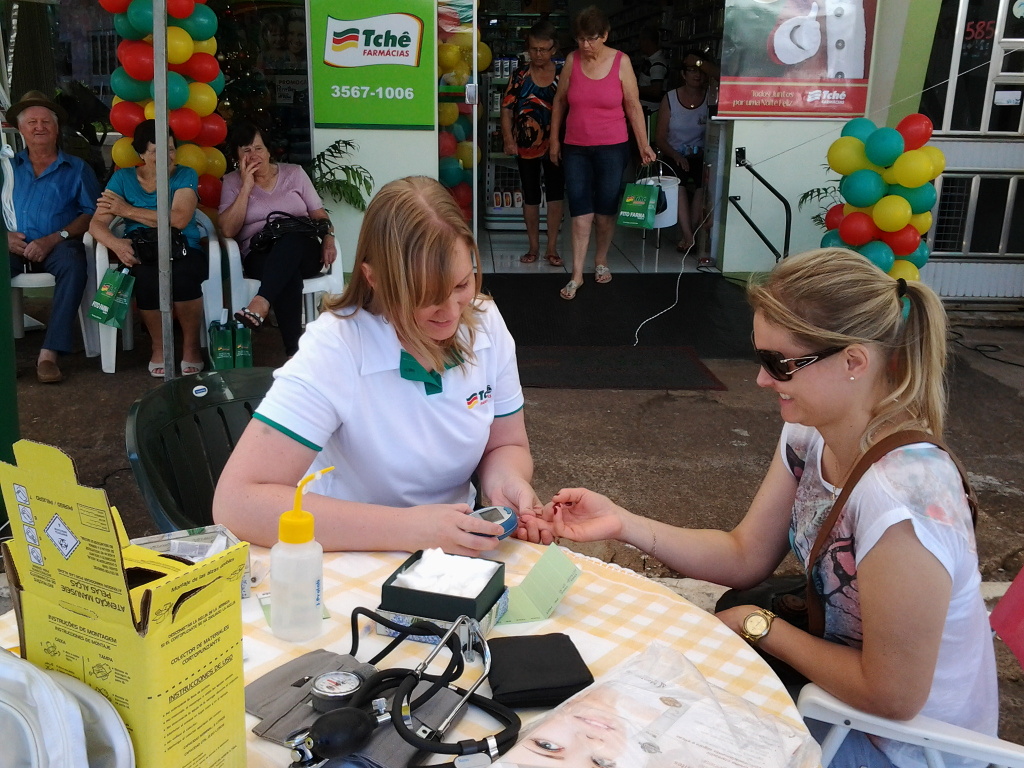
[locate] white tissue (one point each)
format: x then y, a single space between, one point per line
447 574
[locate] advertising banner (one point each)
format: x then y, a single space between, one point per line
796 58
373 71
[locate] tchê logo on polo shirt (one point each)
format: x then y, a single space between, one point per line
393 38
479 397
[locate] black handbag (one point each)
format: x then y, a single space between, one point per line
280 224
144 243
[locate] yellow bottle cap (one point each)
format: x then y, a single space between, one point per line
296 525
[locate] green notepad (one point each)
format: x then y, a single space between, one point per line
537 595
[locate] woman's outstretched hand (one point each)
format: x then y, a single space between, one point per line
574 513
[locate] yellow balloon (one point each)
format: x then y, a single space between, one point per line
123 153
913 168
179 45
116 100
889 175
467 153
464 37
892 213
483 57
448 56
922 222
846 155
848 209
447 113
202 99
205 46
193 156
150 110
938 159
216 163
906 270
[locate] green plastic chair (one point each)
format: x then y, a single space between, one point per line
179 437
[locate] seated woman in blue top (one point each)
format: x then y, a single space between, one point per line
407 384
131 194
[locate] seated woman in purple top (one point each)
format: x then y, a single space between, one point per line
257 188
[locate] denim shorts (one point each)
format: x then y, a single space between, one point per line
593 177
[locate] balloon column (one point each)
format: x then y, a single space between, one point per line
194 81
887 176
457 153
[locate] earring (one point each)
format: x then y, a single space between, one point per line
852 378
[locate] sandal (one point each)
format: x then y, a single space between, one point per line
569 292
188 369
249 319
554 260
156 370
528 258
602 274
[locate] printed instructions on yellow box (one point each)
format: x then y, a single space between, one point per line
162 640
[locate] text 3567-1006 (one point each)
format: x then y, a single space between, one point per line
368 92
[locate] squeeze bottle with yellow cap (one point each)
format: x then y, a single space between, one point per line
296 573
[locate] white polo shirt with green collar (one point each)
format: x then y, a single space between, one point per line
395 434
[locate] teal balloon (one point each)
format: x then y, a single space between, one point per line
218 83
177 90
449 171
467 176
201 25
863 188
127 87
921 198
458 130
124 28
920 255
467 127
833 240
878 253
882 147
140 14
860 128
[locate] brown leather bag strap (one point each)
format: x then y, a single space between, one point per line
815 607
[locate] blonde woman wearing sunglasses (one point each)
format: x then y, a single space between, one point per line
853 356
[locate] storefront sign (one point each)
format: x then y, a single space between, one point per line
373 71
796 59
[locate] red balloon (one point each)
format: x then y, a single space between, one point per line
115 6
858 228
463 194
209 190
213 132
181 9
465 109
137 58
903 241
916 129
446 144
185 123
181 69
467 214
834 216
125 116
202 67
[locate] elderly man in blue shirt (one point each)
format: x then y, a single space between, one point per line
54 200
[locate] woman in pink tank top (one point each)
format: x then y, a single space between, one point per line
597 94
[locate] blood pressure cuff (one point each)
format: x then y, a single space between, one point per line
536 670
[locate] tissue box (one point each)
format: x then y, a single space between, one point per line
430 605
193 543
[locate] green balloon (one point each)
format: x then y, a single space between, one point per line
218 83
201 25
920 255
458 131
833 240
127 87
124 28
879 254
863 188
449 171
140 14
884 146
177 90
860 128
467 176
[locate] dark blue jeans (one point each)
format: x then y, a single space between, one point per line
66 263
593 177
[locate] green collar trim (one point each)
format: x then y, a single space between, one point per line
411 370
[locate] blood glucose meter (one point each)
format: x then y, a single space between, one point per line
503 516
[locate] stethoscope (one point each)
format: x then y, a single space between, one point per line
352 709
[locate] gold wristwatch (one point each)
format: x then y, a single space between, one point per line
756 625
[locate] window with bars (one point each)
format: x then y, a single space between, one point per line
104 52
981 214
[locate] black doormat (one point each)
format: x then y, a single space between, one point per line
711 315
614 368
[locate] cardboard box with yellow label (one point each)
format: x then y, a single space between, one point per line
159 637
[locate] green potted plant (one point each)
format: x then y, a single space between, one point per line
343 182
823 197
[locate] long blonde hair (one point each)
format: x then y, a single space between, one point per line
408 239
833 297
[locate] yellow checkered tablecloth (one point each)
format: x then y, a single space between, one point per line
610 614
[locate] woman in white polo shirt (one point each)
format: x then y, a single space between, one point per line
407 385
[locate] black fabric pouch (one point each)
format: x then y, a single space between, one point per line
536 670
145 246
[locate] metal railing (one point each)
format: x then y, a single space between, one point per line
741 161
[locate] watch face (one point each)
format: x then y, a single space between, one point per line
755 624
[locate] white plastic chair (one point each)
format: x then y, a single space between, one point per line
244 288
90 328
936 737
213 291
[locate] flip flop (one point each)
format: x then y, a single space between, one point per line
602 274
188 369
569 292
156 370
554 260
249 319
528 258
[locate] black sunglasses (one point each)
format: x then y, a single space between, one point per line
782 368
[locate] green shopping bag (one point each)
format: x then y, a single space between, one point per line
222 346
110 304
243 346
638 206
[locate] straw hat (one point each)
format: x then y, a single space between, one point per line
35 99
